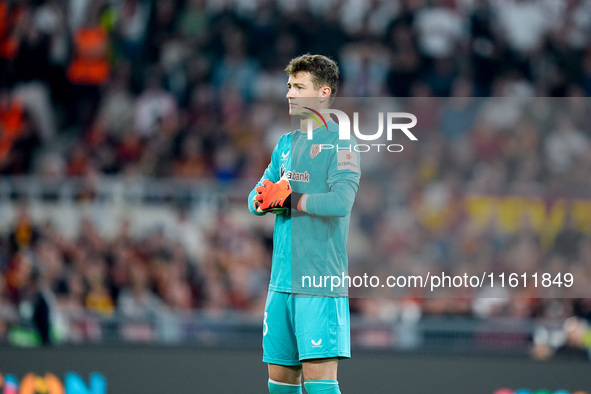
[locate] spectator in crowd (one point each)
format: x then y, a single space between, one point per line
90 67
439 29
565 146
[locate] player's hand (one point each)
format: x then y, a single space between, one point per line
273 196
257 208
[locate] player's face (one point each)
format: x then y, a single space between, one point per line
302 93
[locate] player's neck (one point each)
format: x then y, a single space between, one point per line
305 125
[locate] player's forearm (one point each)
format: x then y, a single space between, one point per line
338 202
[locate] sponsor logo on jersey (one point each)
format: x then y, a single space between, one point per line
347 160
284 155
294 175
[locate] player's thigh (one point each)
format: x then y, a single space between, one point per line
279 341
320 369
285 373
322 327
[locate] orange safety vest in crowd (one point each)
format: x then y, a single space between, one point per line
90 65
8 42
11 124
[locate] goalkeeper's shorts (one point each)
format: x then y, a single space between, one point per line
299 328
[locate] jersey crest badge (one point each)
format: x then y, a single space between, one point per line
314 150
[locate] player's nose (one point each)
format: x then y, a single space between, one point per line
291 93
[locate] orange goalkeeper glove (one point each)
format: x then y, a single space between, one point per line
275 196
257 208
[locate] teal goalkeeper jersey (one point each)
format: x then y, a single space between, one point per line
309 247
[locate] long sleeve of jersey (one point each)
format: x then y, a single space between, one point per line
342 181
338 201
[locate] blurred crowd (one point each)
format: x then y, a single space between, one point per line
140 279
187 88
195 89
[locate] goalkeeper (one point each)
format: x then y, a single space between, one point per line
311 191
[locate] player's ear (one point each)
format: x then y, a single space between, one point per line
325 92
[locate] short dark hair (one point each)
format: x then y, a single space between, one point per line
323 70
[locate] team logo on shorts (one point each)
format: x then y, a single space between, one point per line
314 150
